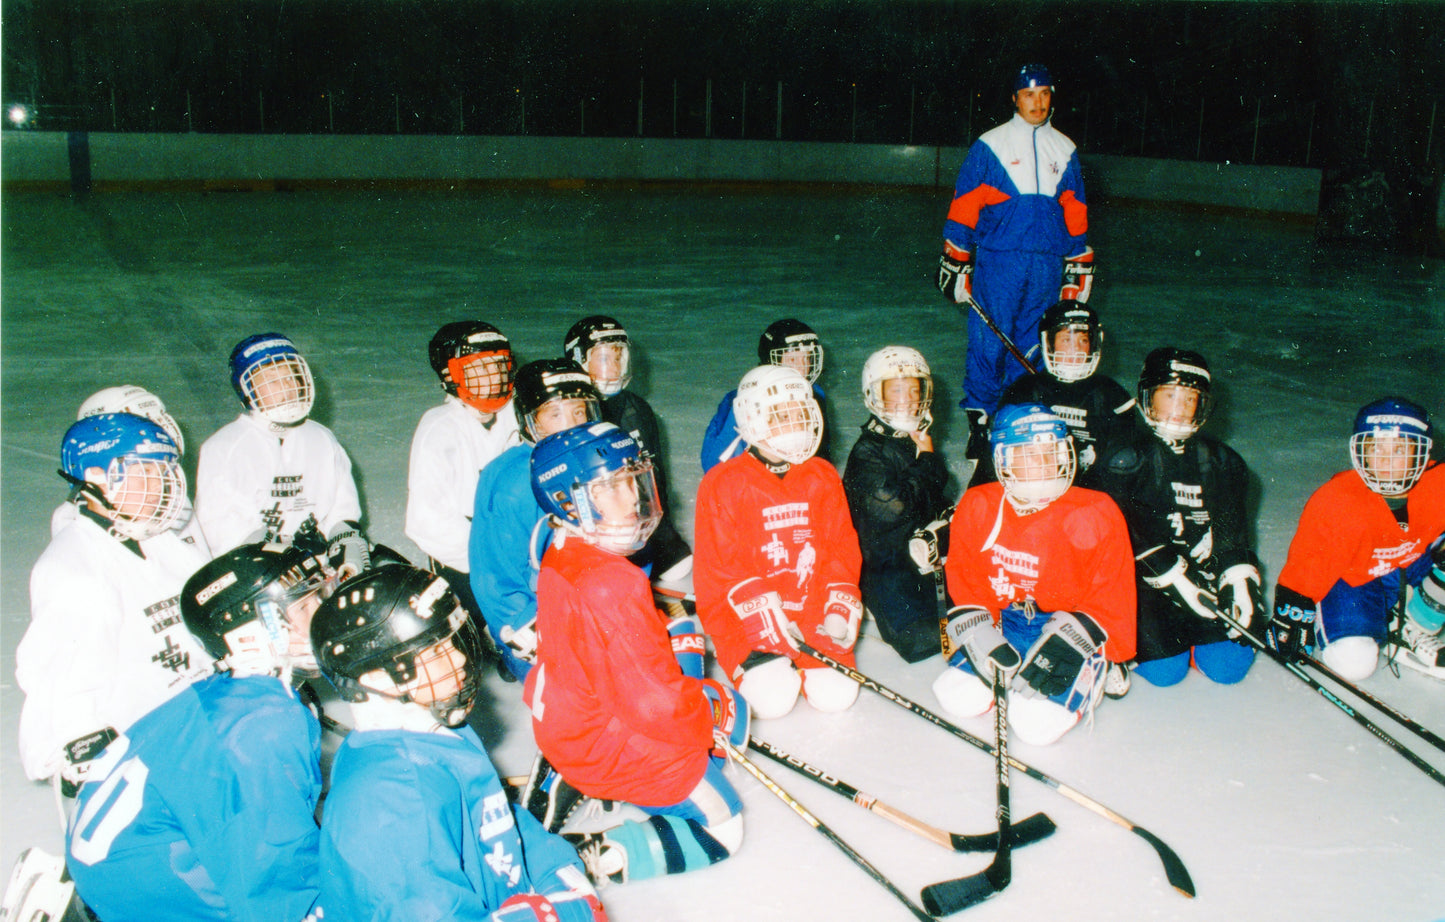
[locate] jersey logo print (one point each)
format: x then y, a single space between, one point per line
164 614
285 486
496 816
1018 572
807 559
776 552
1188 495
172 657
788 515
1389 558
501 862
1073 417
272 519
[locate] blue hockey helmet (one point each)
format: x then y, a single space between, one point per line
1033 454
399 632
1391 444
596 481
1032 75
142 486
272 378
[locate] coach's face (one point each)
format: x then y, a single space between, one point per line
1034 103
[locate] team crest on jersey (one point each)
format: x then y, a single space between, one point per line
1074 417
1188 495
1392 558
1017 572
172 657
285 486
788 515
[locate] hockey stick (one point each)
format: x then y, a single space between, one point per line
1024 832
811 820
1404 720
950 896
1002 336
1174 870
1296 668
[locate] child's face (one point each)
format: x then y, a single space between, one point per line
616 499
1388 458
559 415
800 360
607 364
1072 341
902 396
1036 461
277 384
1174 403
440 671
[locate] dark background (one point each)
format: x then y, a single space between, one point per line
1334 85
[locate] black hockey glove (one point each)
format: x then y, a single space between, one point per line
1168 572
80 754
955 274
349 550
1292 629
1055 660
1078 277
1241 599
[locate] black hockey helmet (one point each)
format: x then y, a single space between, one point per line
789 335
254 582
486 386
551 379
1069 314
598 330
1171 366
387 619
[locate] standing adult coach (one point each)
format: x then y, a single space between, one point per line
1019 216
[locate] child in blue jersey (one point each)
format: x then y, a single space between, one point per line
509 530
417 824
204 809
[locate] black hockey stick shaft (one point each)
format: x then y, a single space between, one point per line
1024 832
1295 668
1174 870
1384 707
807 816
1002 336
950 896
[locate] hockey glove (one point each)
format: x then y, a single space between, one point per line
80 755
842 615
40 888
688 645
929 545
1078 277
955 274
522 641
1054 661
730 717
973 633
1292 629
534 907
349 550
764 623
1166 571
1240 597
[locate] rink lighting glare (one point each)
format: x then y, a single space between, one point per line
18 115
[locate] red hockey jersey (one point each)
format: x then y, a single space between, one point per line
794 532
1346 532
611 709
1072 555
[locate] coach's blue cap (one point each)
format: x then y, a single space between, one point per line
1031 75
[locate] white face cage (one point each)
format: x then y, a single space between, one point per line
804 356
609 363
1167 410
1071 365
146 496
1390 464
618 512
1035 474
778 414
280 388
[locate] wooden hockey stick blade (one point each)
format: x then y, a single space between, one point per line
1024 832
950 896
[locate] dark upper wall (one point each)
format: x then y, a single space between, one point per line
1291 83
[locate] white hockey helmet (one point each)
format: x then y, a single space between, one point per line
1033 453
128 398
777 413
894 363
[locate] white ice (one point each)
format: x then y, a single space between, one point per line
1279 805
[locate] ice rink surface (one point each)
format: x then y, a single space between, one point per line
1279 805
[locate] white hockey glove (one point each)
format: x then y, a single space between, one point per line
955 274
80 755
1078 276
1163 573
929 545
39 888
972 632
764 622
842 614
1240 596
349 551
522 641
1055 660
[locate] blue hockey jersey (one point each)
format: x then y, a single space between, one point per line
204 809
418 828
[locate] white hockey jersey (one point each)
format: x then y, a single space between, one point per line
448 451
106 643
251 479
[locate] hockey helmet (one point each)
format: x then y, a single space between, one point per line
1175 368
272 378
1391 444
1033 453
783 337
1032 75
545 380
474 363
128 398
892 363
777 413
1072 316
596 480
399 632
613 365
142 486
